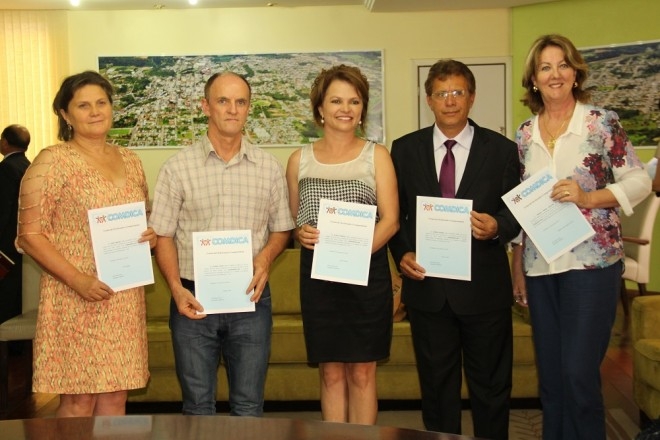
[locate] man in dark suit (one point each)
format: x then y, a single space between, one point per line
13 144
456 323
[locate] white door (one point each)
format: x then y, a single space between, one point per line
492 106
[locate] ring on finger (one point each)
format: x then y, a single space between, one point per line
567 193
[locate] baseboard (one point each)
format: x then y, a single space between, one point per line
308 405
634 292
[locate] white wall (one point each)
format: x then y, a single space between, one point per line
402 36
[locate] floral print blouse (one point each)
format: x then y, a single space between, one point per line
596 153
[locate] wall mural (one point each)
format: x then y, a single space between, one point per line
626 78
157 98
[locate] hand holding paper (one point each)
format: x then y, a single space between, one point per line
122 260
223 270
444 237
410 267
555 227
91 288
343 253
308 236
484 226
149 236
186 303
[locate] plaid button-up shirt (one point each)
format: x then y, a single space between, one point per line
198 191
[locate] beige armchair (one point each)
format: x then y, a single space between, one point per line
637 233
646 355
19 328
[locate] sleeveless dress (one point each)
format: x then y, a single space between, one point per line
85 347
343 322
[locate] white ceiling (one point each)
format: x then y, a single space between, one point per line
371 5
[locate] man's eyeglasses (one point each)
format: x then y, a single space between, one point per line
443 95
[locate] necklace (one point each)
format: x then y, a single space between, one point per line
553 138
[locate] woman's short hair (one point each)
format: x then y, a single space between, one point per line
442 69
342 72
64 95
573 57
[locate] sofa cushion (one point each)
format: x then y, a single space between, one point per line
401 351
158 295
285 274
645 317
290 377
647 361
522 312
287 340
161 353
523 344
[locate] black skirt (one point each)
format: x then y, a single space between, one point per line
345 322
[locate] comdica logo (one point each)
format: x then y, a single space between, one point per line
125 214
536 185
119 216
355 213
445 208
348 212
531 188
219 241
229 240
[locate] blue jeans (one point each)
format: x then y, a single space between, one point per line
241 339
572 316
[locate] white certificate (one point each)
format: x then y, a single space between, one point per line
121 262
554 227
343 253
223 270
444 237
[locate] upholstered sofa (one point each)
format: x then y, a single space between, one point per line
645 338
290 378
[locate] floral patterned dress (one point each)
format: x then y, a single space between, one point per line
84 347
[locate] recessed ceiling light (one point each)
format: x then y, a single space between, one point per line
192 2
74 2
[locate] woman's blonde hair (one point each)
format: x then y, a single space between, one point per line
573 57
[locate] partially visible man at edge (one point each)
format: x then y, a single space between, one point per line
14 142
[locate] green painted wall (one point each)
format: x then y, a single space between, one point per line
587 23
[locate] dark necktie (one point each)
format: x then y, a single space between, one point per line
448 172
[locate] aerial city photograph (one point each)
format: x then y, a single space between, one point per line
626 79
158 98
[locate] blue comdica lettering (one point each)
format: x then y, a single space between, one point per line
355 213
536 185
229 240
450 208
125 214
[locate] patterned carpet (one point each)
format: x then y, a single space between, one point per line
527 425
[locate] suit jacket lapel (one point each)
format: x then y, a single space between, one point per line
427 162
476 160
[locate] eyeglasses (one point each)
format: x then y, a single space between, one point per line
443 95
